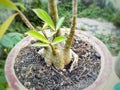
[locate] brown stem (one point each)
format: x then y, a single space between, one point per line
73 27
25 20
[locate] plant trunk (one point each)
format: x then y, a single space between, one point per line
56 60
52 8
73 27
63 55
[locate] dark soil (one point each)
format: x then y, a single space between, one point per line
33 73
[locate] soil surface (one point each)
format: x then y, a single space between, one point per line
31 69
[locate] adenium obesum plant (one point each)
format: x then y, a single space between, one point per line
56 46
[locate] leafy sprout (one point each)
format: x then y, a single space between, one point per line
48 23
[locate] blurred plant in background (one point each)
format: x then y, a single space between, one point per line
65 11
112 42
3 82
116 19
108 13
7 42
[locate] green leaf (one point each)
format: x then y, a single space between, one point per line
38 36
45 26
9 4
6 41
10 39
59 23
59 39
45 17
41 44
15 37
6 24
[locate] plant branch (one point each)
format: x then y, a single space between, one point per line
53 49
25 20
73 27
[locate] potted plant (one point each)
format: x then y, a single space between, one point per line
55 59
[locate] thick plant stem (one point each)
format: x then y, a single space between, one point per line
52 8
25 20
73 27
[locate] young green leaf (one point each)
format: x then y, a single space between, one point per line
6 24
41 44
59 39
37 35
45 17
9 4
45 26
59 23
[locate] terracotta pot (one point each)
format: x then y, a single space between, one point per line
105 71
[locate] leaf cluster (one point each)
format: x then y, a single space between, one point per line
42 15
48 24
